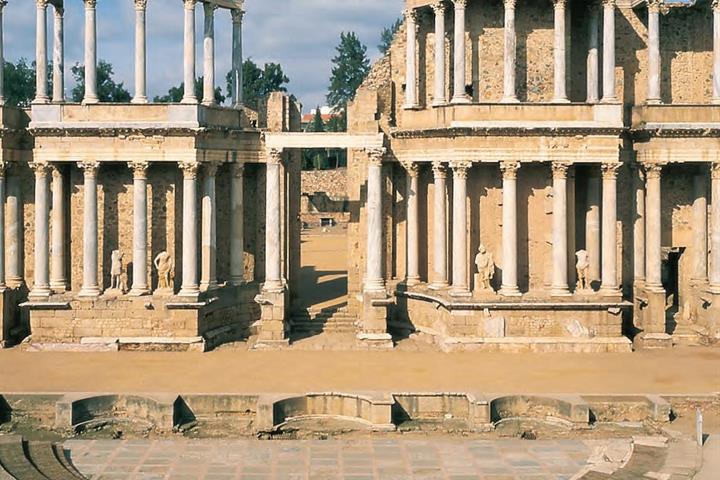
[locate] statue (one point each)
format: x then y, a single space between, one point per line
118 281
583 268
486 269
165 266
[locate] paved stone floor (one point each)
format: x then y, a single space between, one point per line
385 459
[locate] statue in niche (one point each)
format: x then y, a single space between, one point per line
118 279
583 268
486 269
165 265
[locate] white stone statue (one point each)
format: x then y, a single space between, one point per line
118 281
583 268
165 265
486 269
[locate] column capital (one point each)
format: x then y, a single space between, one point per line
41 169
2 4
274 156
237 170
610 170
411 14
209 8
439 170
439 8
140 4
56 170
657 6
189 169
560 4
653 170
375 155
715 5
59 12
510 4
509 169
41 4
412 168
608 3
715 170
211 168
189 4
90 4
460 4
560 169
3 168
237 15
89 168
139 169
460 168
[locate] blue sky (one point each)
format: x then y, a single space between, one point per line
299 34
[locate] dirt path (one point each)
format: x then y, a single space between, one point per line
323 278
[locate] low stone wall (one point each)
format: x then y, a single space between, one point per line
331 182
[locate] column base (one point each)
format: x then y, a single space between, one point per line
411 107
715 101
612 99
440 102
41 100
189 100
560 100
89 292
207 286
189 291
209 104
274 286
40 292
375 286
15 282
652 341
653 101
609 292
463 100
90 100
412 281
439 286
238 106
560 292
139 292
510 100
509 291
460 292
59 287
139 100
237 281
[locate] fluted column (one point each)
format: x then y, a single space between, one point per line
413 224
609 83
460 284
2 55
654 93
90 284
237 57
273 235
374 281
140 229
440 96
237 227
59 57
41 287
90 53
509 230
593 57
411 62
440 228
15 273
609 229
510 57
208 279
653 227
41 56
3 284
560 230
209 55
58 276
140 52
459 95
189 287
560 52
700 228
716 51
715 228
639 224
189 53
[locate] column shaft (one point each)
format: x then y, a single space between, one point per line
654 92
459 95
15 271
700 229
609 229
653 227
189 53
273 230
510 57
560 230
2 55
715 229
440 228
716 52
374 281
208 279
609 84
560 52
509 230
209 55
189 287
411 62
58 277
593 56
41 57
440 96
3 284
237 219
140 53
90 53
592 227
413 224
59 57
237 58
140 229
41 287
460 284
90 285
639 225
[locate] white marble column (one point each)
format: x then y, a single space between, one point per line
460 283
559 285
41 287
609 82
654 93
90 53
653 226
140 284
639 224
593 55
58 276
592 225
237 57
209 55
273 230
41 56
610 284
460 49
59 56
189 287
715 228
413 224
440 95
189 53
700 228
411 61
2 55
15 275
509 286
510 57
90 284
140 52
3 284
208 277
440 228
237 227
716 51
374 281
560 52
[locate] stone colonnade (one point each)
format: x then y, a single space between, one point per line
50 265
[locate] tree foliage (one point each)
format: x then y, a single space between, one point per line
258 82
175 94
108 90
388 35
19 83
350 67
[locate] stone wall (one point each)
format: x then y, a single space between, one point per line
331 182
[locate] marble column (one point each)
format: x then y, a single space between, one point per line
237 227
140 52
653 226
411 61
237 57
509 286
208 278
459 95
609 284
716 51
189 287
2 55
209 55
592 225
15 275
639 224
715 228
41 56
460 283
3 284
413 224
593 56
59 57
560 230
440 228
609 82
560 52
90 284
41 287
273 231
374 281
189 53
140 284
510 58
700 228
440 95
654 93
90 53
58 275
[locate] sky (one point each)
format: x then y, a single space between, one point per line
301 35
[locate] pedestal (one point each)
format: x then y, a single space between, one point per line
273 328
374 329
653 333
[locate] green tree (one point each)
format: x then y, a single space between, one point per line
350 67
316 158
388 35
108 90
175 94
19 83
258 82
317 125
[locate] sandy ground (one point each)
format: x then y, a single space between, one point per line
323 278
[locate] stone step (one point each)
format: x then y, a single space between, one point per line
62 458
14 460
42 455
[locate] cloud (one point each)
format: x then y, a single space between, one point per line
301 35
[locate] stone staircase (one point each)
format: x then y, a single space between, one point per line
326 320
24 460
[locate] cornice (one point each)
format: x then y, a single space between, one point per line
452 132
